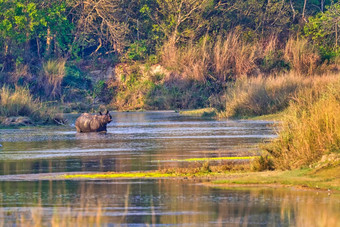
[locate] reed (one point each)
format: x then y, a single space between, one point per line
233 57
311 126
261 95
302 56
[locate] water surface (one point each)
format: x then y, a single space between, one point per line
144 141
134 141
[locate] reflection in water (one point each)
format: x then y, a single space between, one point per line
164 202
144 141
135 141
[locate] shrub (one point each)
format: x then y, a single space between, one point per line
137 50
262 163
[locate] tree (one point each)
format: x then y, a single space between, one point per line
323 29
176 19
100 23
18 22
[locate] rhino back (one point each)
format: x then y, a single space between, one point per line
83 123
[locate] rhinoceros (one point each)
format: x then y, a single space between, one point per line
93 123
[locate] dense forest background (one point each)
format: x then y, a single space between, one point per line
160 54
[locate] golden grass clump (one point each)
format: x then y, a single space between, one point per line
233 57
53 74
18 102
228 57
302 56
191 61
260 95
311 126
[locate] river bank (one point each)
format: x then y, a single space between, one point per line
324 177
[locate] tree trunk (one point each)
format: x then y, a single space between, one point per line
48 42
293 10
304 10
38 46
336 35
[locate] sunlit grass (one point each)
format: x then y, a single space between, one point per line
310 128
205 112
327 178
213 159
151 174
19 102
260 95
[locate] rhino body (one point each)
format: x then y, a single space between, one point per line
93 123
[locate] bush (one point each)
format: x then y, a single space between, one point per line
137 51
75 78
262 163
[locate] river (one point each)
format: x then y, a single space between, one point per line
138 141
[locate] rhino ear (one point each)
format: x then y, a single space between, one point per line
100 113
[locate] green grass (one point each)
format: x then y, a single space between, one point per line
327 178
213 159
314 178
205 112
150 174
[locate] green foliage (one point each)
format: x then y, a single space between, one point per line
76 78
273 62
324 30
204 43
102 91
137 51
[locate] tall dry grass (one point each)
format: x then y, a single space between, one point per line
19 102
190 62
302 56
255 96
311 126
224 58
233 57
52 76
